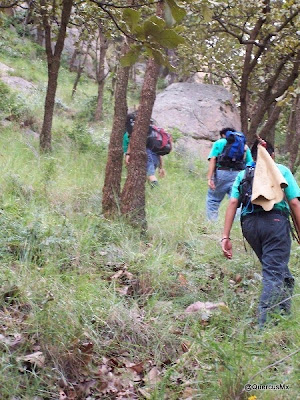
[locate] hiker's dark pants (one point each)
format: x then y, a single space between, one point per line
268 233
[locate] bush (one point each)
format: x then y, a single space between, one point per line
11 104
81 136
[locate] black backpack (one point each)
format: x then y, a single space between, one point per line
232 155
245 189
159 141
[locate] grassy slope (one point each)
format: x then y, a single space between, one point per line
69 277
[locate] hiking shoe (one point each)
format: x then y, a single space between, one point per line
153 184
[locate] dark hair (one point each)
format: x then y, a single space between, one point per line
130 119
223 131
269 148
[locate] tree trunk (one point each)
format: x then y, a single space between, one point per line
53 58
39 35
72 67
268 130
276 87
249 64
112 183
80 70
100 74
293 136
133 194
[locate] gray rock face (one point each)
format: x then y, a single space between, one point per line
199 111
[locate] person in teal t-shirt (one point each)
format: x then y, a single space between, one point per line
268 233
219 179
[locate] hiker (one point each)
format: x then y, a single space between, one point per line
267 232
226 158
155 149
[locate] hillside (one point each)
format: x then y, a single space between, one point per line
88 308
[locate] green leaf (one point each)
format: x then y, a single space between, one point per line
131 17
170 39
158 21
130 57
178 13
151 29
158 57
207 13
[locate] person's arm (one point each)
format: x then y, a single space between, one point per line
295 207
211 172
229 217
127 155
161 170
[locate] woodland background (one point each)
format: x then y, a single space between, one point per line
91 309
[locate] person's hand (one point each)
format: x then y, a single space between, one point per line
211 184
127 159
262 142
227 247
162 172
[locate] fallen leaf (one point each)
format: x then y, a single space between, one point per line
36 358
238 278
182 279
138 368
188 393
123 291
117 274
205 306
185 346
153 376
12 342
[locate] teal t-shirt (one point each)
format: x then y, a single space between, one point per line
125 143
291 191
218 147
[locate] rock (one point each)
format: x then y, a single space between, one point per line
198 111
15 82
5 69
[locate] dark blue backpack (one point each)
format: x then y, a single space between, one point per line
232 155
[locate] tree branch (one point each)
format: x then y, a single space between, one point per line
100 3
114 20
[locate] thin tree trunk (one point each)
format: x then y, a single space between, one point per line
39 35
53 58
80 70
100 74
112 183
293 137
133 194
72 67
277 85
268 130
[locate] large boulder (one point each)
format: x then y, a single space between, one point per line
198 111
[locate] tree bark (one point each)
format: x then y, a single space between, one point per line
100 74
268 130
80 70
293 136
53 59
112 183
133 194
276 87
